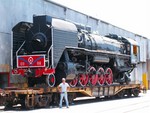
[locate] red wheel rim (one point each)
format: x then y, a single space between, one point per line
93 77
74 82
101 77
109 76
83 79
51 80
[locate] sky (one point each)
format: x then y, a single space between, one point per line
132 15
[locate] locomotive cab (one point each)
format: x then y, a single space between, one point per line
132 48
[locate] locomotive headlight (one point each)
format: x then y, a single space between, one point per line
39 41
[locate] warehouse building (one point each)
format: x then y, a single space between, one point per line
14 11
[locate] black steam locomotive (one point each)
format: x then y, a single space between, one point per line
49 49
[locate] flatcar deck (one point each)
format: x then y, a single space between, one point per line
41 97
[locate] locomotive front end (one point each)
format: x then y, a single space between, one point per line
32 51
39 50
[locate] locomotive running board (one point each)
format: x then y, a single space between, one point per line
97 51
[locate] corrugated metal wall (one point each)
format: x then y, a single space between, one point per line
148 62
14 11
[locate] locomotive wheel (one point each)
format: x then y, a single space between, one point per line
74 82
50 80
101 76
93 77
108 76
83 80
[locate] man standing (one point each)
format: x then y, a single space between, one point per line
63 88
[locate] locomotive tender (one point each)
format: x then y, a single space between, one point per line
49 49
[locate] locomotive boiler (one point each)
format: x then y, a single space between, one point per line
50 49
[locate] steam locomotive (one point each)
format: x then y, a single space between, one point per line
50 49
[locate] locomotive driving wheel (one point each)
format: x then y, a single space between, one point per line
101 76
108 76
74 82
83 79
93 77
50 80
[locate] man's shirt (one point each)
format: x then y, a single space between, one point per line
63 87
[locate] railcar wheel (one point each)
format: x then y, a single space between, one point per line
93 77
101 77
108 76
121 94
135 92
29 102
50 80
8 105
83 79
129 93
74 82
43 100
71 97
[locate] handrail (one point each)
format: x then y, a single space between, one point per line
20 48
48 54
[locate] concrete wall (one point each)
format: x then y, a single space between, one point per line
14 11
